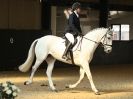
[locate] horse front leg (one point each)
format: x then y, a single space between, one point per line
81 72
88 73
50 67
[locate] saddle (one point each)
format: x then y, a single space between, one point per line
66 42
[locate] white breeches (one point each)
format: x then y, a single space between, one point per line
70 37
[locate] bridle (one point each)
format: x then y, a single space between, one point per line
103 44
105 36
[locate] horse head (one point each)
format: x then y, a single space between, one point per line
107 40
103 36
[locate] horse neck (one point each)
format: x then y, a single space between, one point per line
96 35
90 49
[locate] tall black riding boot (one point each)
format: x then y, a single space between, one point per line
66 50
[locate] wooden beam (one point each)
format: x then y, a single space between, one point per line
46 16
91 4
120 7
103 17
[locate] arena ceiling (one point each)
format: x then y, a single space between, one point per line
121 2
118 2
122 5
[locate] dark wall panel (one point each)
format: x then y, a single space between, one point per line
15 45
122 53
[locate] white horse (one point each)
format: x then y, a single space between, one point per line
50 48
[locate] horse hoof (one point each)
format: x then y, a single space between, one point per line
25 83
55 90
67 86
97 93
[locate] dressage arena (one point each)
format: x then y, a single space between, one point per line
104 46
113 82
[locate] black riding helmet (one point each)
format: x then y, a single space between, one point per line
76 5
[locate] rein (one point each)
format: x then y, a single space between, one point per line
100 40
82 37
90 40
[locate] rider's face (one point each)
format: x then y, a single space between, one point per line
78 10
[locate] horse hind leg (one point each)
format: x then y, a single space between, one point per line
50 61
41 52
34 68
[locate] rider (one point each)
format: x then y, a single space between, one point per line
73 29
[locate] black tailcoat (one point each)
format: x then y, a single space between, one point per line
73 25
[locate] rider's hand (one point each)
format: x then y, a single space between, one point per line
80 34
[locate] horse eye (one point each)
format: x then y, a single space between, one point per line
109 38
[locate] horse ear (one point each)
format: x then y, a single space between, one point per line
109 28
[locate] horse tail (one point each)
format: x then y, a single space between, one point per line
26 66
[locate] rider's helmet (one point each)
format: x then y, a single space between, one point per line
76 5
